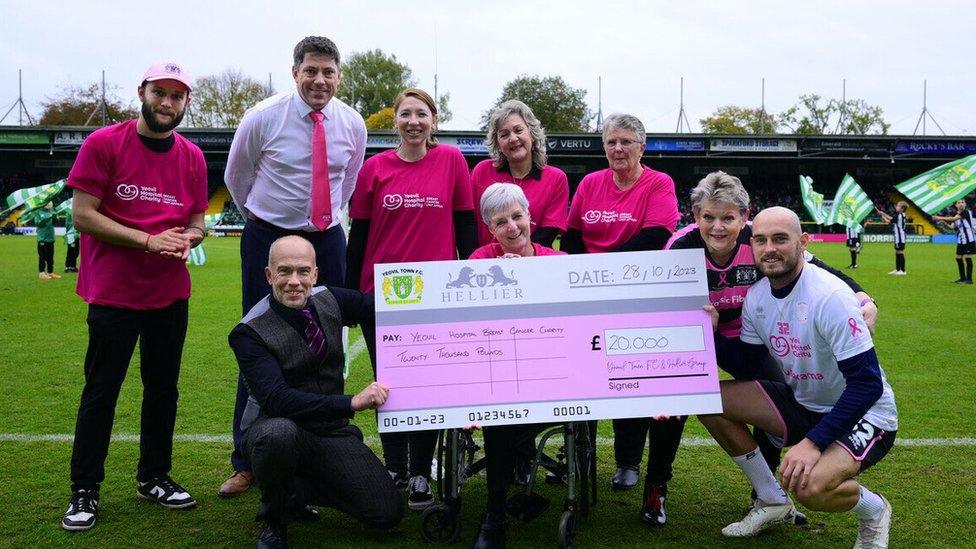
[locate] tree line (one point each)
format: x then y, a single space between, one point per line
372 79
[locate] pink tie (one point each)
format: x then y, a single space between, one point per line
321 196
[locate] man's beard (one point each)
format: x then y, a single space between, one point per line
789 266
156 126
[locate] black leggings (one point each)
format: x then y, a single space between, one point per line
45 257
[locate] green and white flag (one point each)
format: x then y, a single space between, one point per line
812 199
851 204
937 188
71 234
34 197
198 256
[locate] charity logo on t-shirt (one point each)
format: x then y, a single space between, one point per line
396 201
126 191
607 216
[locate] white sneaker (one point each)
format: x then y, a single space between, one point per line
896 271
759 518
873 533
901 273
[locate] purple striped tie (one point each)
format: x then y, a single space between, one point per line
314 336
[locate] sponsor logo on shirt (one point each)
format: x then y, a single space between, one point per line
784 345
148 194
414 200
127 192
816 376
607 216
403 286
746 275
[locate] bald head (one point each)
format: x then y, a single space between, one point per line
291 270
778 243
785 218
290 245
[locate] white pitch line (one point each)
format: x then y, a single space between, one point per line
374 441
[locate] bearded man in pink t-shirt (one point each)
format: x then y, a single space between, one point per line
140 191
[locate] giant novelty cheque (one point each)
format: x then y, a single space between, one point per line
544 339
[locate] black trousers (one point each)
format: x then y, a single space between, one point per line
330 258
45 257
334 470
409 453
503 444
665 437
71 256
112 336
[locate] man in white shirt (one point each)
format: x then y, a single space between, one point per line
278 155
835 409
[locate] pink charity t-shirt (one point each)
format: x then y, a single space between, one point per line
143 190
410 207
548 195
608 217
494 251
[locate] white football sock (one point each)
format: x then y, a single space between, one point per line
869 506
767 488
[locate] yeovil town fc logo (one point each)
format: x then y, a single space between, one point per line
403 286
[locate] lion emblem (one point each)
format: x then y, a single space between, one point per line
463 279
498 277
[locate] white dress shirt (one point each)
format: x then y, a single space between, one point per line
269 169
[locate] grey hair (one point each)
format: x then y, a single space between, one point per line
720 187
625 122
315 45
500 113
499 196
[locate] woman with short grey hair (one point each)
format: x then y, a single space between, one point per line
516 142
629 207
720 187
505 211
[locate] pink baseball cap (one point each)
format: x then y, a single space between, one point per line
168 70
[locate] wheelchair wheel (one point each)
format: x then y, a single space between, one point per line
567 529
439 524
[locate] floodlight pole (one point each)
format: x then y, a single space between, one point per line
599 103
843 107
19 104
682 117
925 111
102 107
762 110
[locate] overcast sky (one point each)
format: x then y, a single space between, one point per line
641 49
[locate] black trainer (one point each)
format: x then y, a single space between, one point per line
273 536
652 512
420 494
166 492
82 510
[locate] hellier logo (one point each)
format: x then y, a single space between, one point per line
494 276
403 286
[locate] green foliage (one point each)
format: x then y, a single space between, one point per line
219 101
816 115
75 105
43 337
732 119
558 106
371 81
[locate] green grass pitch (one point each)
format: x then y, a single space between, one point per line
925 341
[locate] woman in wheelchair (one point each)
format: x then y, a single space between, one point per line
505 209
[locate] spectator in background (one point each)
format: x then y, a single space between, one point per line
44 221
71 241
